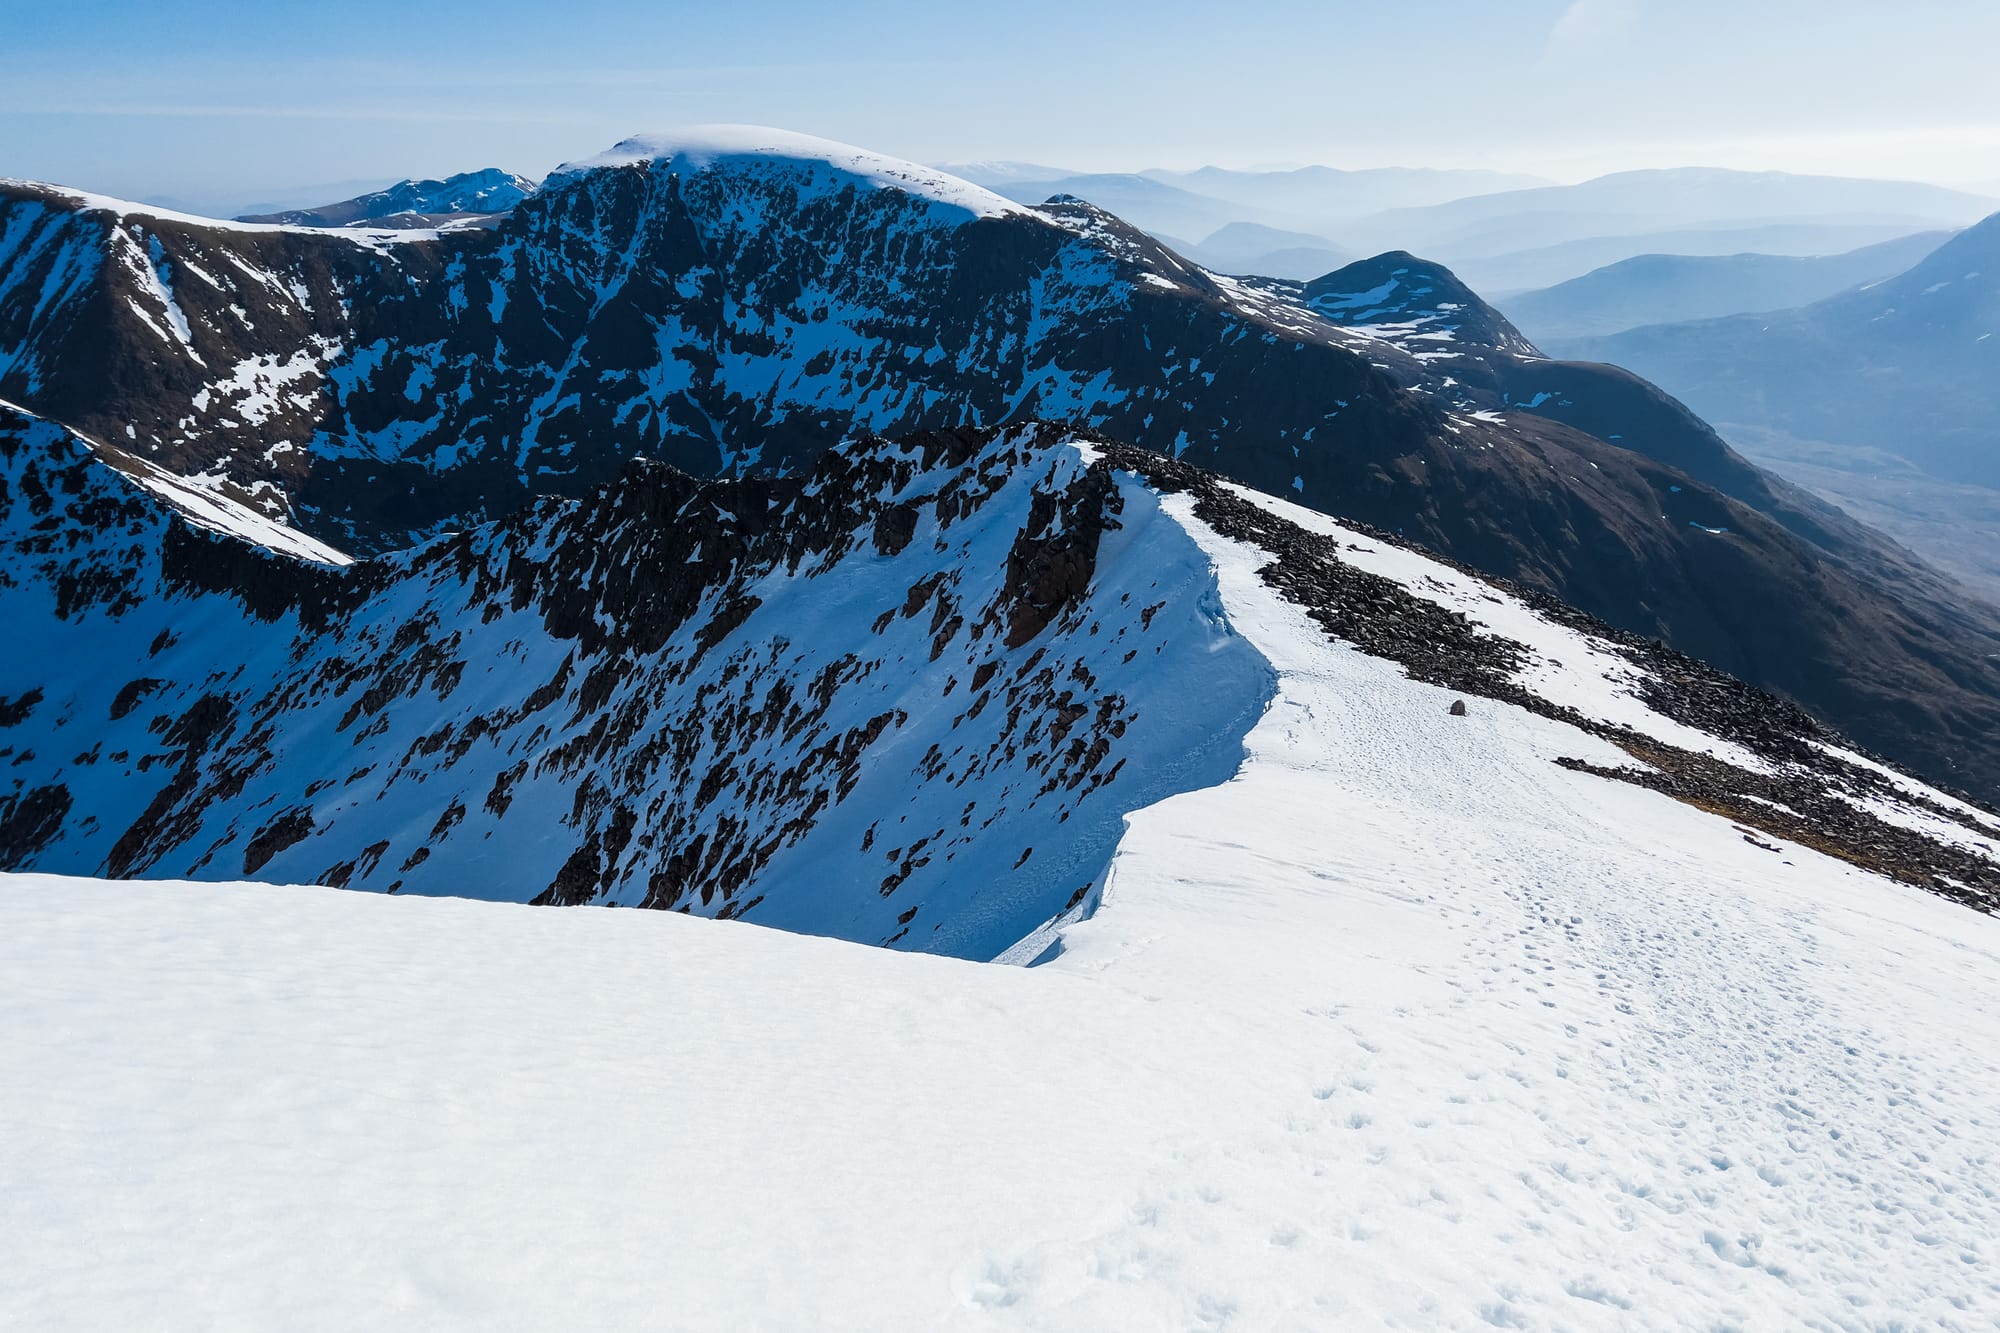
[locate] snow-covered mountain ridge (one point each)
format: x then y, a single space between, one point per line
730 304
906 696
661 696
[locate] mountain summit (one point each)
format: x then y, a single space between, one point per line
817 167
414 203
1422 301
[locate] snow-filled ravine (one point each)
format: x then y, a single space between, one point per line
1404 1026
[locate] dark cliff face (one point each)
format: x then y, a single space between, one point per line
728 322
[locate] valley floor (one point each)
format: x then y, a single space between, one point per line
1404 1026
1953 525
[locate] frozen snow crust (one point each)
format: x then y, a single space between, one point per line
1406 1024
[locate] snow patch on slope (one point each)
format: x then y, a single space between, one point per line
157 276
200 500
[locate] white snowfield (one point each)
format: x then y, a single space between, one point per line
1404 1026
701 147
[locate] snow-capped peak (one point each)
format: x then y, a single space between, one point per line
125 210
484 192
703 147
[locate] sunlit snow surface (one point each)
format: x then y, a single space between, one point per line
1404 1026
834 164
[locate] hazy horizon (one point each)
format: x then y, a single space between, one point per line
218 100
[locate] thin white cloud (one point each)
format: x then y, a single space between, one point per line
1589 25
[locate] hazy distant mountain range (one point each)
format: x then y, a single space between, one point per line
1503 234
1509 274
1668 288
1910 364
1272 252
1306 198
1653 201
1887 396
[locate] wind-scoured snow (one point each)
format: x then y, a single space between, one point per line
1401 1026
832 165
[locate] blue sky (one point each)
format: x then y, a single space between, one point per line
213 101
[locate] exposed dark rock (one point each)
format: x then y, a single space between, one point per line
29 821
1055 554
129 697
894 527
15 710
168 820
282 832
1802 807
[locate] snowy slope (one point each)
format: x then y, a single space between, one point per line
1406 1024
129 211
30 447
